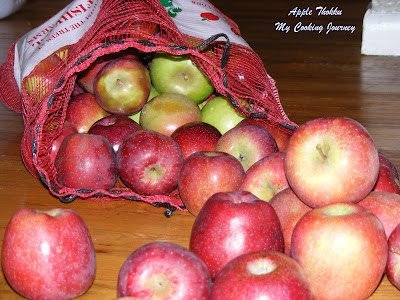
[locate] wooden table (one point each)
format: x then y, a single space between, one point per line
317 75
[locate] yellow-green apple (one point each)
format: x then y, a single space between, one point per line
149 162
386 206
266 177
221 114
343 250
86 161
66 130
248 143
388 177
83 111
330 160
48 254
122 86
262 274
115 128
136 116
38 83
393 263
205 173
195 137
179 75
161 271
234 223
289 209
280 134
166 112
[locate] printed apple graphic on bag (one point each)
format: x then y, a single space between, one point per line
208 16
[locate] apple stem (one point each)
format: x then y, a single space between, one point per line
323 152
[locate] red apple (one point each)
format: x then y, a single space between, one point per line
115 128
122 86
393 263
48 254
86 161
40 80
388 178
289 209
266 177
386 206
261 275
343 250
280 135
248 143
86 79
231 224
206 173
149 163
330 160
83 111
166 112
136 116
179 75
195 137
221 114
66 130
141 27
163 270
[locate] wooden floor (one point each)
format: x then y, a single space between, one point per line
316 74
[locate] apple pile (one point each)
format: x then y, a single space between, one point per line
277 215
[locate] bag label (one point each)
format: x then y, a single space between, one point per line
199 18
65 28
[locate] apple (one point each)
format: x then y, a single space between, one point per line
384 161
289 209
83 111
248 143
142 28
388 177
221 114
149 163
281 135
266 177
48 254
166 112
231 224
386 206
393 263
86 79
136 116
343 250
196 136
38 83
115 128
163 270
261 275
122 86
66 130
179 75
330 160
206 173
86 161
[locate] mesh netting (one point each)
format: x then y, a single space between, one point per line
235 71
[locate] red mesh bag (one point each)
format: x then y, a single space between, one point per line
72 40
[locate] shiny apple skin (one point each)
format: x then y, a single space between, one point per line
231 224
206 173
48 254
261 275
149 162
164 271
86 161
122 86
393 263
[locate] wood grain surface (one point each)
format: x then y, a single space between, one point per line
317 74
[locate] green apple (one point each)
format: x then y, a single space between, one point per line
136 116
220 113
167 111
179 75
